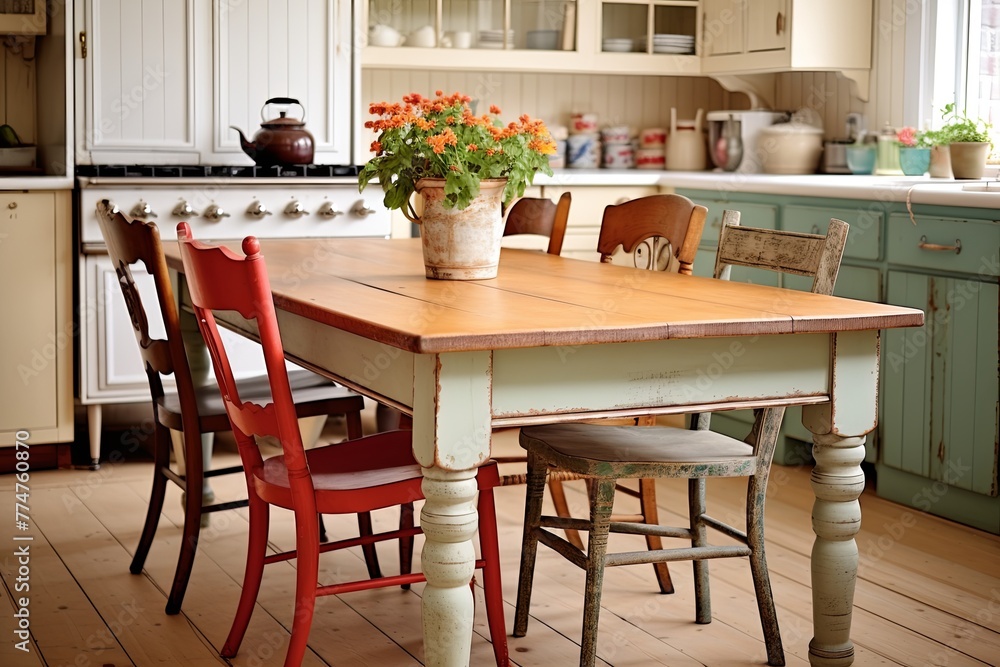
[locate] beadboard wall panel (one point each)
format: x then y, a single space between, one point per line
637 101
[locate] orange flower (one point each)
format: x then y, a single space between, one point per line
412 140
437 143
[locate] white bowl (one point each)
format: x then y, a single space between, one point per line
790 148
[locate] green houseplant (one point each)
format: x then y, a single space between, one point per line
968 140
464 167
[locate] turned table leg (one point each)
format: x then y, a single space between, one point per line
837 481
449 520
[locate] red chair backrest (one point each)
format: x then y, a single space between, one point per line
219 279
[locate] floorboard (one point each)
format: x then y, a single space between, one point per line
926 593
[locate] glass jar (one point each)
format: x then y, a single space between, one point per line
887 158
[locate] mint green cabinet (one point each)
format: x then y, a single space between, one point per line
939 419
936 446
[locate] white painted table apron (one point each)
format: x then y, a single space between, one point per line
457 397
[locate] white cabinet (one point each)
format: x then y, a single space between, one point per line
741 37
163 81
541 35
36 341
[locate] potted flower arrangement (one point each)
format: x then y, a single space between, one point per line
463 165
914 151
968 142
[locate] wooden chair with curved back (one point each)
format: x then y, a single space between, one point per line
190 410
659 232
542 217
607 453
355 476
656 233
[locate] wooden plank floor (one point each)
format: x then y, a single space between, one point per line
928 593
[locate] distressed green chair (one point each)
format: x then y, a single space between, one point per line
607 453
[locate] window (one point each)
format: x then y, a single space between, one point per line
963 63
982 84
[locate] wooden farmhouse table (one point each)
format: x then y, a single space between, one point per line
554 339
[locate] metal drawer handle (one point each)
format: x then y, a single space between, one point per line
937 247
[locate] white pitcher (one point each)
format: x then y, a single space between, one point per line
686 148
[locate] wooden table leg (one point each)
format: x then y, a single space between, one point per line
837 481
449 520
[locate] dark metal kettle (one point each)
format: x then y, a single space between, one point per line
280 141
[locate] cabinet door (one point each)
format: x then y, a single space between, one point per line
284 48
767 25
29 338
139 92
113 368
585 214
722 27
941 393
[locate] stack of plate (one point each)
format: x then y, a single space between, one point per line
665 43
493 39
617 45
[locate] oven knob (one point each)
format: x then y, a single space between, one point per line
361 208
184 210
257 210
295 209
215 213
327 210
142 210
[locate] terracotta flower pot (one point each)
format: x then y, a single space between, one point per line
460 244
940 166
968 159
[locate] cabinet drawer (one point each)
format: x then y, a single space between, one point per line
751 215
863 239
947 244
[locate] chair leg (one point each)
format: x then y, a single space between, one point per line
306 577
193 478
371 556
406 543
492 585
647 506
696 509
601 503
529 544
558 494
256 551
758 568
161 459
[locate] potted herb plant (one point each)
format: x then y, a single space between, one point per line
968 142
463 166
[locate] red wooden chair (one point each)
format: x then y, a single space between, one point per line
343 478
189 409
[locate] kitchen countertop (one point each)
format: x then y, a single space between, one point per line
16 183
920 189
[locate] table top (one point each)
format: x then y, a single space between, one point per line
376 288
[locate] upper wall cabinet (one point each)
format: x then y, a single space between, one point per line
626 36
163 81
740 37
